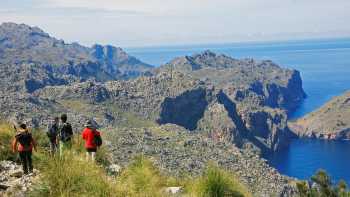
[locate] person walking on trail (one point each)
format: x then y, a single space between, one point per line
65 135
92 139
23 143
52 133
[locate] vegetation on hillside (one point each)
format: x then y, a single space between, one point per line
216 182
321 186
72 175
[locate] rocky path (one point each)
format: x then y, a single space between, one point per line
12 180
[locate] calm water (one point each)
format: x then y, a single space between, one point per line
305 157
325 70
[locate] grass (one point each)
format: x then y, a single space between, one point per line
141 178
216 182
72 175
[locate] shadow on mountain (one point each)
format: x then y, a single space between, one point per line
184 110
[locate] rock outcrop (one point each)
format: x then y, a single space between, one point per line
331 121
13 183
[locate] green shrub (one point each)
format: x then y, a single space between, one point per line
323 187
216 183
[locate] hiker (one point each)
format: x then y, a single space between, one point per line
52 133
24 144
65 135
92 139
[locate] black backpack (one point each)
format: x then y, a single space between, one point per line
25 139
97 139
66 132
52 131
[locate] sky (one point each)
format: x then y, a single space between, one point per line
130 23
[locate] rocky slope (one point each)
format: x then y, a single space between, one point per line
242 101
331 121
264 82
178 152
13 183
226 111
36 59
223 107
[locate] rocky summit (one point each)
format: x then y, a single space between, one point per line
224 107
331 121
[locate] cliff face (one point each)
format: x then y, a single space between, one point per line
331 121
271 85
249 100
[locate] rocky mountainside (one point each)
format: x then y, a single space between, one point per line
177 152
262 82
242 107
222 106
35 59
331 121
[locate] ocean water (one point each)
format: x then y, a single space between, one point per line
305 156
325 70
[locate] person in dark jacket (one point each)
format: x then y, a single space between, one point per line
52 133
65 135
23 143
89 134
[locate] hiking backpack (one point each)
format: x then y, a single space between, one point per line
66 132
52 131
25 139
97 139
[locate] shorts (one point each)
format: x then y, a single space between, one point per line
90 150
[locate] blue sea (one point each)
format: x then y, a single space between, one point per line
325 70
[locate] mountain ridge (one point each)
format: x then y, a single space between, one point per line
22 45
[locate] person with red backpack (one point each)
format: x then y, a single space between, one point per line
92 139
24 144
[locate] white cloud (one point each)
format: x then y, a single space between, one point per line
139 22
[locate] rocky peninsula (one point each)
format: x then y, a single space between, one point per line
331 121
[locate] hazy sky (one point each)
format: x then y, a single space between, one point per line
169 22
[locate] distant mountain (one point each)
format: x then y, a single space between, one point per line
331 121
32 52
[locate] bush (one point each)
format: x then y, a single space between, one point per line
217 183
72 175
7 134
322 187
141 178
